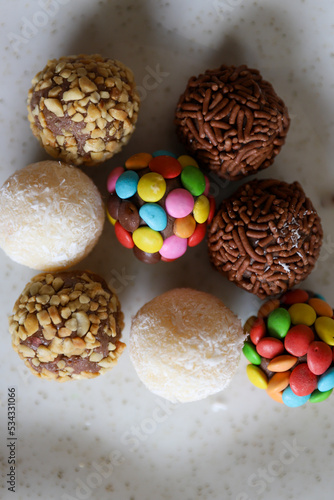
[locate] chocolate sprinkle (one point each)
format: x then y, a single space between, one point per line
232 121
266 237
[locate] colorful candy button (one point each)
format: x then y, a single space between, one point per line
167 166
318 396
321 307
179 203
186 160
193 180
278 382
198 235
173 247
138 161
113 205
184 227
128 216
257 376
126 184
112 178
269 347
298 339
163 152
325 329
326 381
147 240
201 209
258 330
279 322
294 296
302 314
154 216
276 396
302 381
282 363
250 353
151 187
319 357
123 236
292 400
111 219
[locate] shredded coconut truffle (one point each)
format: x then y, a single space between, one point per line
185 345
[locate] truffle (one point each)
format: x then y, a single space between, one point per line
266 237
290 348
51 215
83 109
159 205
232 121
67 326
185 345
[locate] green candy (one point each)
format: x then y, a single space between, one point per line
193 180
250 353
318 396
279 322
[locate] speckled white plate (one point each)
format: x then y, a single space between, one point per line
110 438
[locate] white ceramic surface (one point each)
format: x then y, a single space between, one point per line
110 438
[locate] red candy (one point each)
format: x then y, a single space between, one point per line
269 347
319 357
198 235
212 209
167 166
258 330
294 296
302 381
298 339
123 236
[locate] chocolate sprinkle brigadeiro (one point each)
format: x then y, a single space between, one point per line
232 121
266 237
67 326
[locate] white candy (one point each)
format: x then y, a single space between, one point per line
185 345
51 215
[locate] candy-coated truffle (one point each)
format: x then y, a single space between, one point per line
294 360
185 345
232 121
266 237
67 325
51 215
83 109
159 205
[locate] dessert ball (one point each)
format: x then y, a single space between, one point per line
232 121
266 237
83 109
67 325
290 348
51 215
185 345
159 205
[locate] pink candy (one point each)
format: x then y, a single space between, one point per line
179 203
112 178
173 247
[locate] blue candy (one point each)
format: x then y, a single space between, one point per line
162 152
126 184
154 216
292 400
326 381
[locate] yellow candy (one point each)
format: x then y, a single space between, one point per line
324 327
257 376
201 209
147 240
302 314
186 160
151 187
111 219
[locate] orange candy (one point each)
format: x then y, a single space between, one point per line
282 363
321 307
138 161
278 382
184 227
276 396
